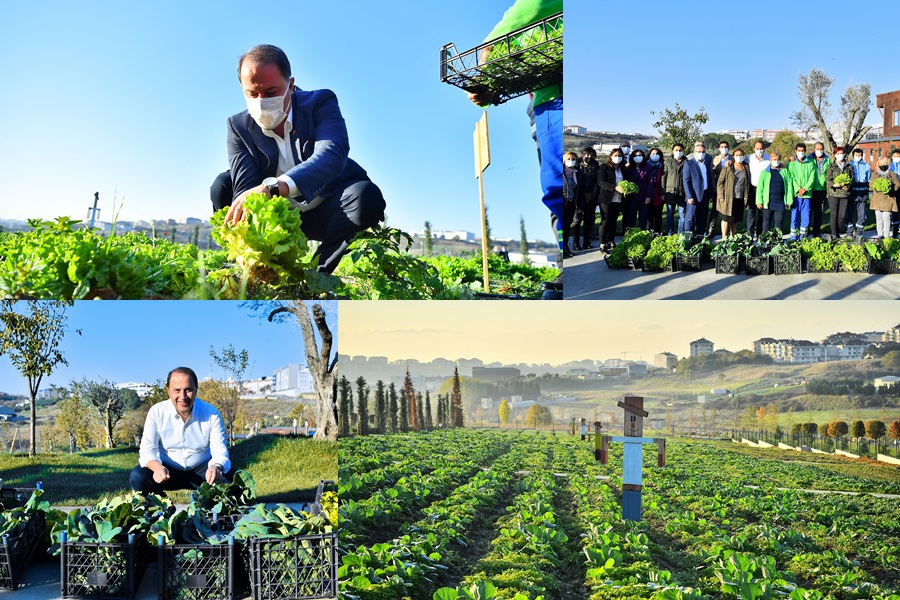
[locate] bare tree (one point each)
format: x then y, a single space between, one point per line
814 90
321 366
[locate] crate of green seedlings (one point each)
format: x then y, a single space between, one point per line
21 530
110 570
851 257
818 256
728 265
758 265
197 553
290 554
878 259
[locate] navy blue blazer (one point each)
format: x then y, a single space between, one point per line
318 139
692 177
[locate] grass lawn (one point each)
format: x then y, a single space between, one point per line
286 469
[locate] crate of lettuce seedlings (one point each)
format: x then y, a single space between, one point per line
786 257
692 254
21 530
851 256
198 556
104 549
729 253
892 251
818 256
879 261
290 554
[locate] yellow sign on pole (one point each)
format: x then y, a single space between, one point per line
482 160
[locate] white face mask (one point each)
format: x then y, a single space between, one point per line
617 160
699 155
268 112
626 150
654 157
723 151
570 163
678 154
759 152
839 157
775 163
857 158
639 159
819 153
801 156
738 159
896 160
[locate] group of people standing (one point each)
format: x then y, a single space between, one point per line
698 190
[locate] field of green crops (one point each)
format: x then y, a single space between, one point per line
518 515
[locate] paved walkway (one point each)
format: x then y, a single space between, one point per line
587 277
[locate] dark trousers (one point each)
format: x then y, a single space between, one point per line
570 213
838 208
817 204
856 210
608 229
141 479
754 218
343 214
629 211
713 216
583 224
773 219
655 221
695 216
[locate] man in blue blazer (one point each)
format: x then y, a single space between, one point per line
293 143
698 182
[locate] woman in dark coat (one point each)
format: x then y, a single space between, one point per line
609 177
733 193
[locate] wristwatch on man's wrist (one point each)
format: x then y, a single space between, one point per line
271 184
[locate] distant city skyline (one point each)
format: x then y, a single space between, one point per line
141 341
538 332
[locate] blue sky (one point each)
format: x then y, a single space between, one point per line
740 61
143 340
130 100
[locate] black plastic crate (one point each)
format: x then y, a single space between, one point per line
757 265
296 568
16 550
787 264
111 571
807 268
684 262
728 265
882 266
199 572
670 266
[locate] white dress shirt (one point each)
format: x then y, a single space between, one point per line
286 160
184 445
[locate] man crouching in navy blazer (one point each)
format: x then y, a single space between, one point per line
293 143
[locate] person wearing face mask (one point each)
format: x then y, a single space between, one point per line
733 193
719 161
697 178
625 147
571 181
803 174
657 167
610 175
673 188
758 162
774 193
859 194
293 143
819 189
884 204
637 206
895 168
838 195
586 201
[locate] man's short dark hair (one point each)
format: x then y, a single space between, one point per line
184 371
589 149
801 146
677 145
266 53
724 142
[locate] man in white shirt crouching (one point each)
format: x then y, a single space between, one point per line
184 441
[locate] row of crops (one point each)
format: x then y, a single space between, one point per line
489 514
266 256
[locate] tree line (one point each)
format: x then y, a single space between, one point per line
395 410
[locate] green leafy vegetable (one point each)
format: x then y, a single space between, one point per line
882 185
843 179
628 188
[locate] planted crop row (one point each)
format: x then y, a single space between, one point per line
412 563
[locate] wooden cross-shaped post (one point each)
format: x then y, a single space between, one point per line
632 459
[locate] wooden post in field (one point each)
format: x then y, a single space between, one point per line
482 160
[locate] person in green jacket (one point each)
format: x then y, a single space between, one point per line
820 187
803 174
774 193
547 104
